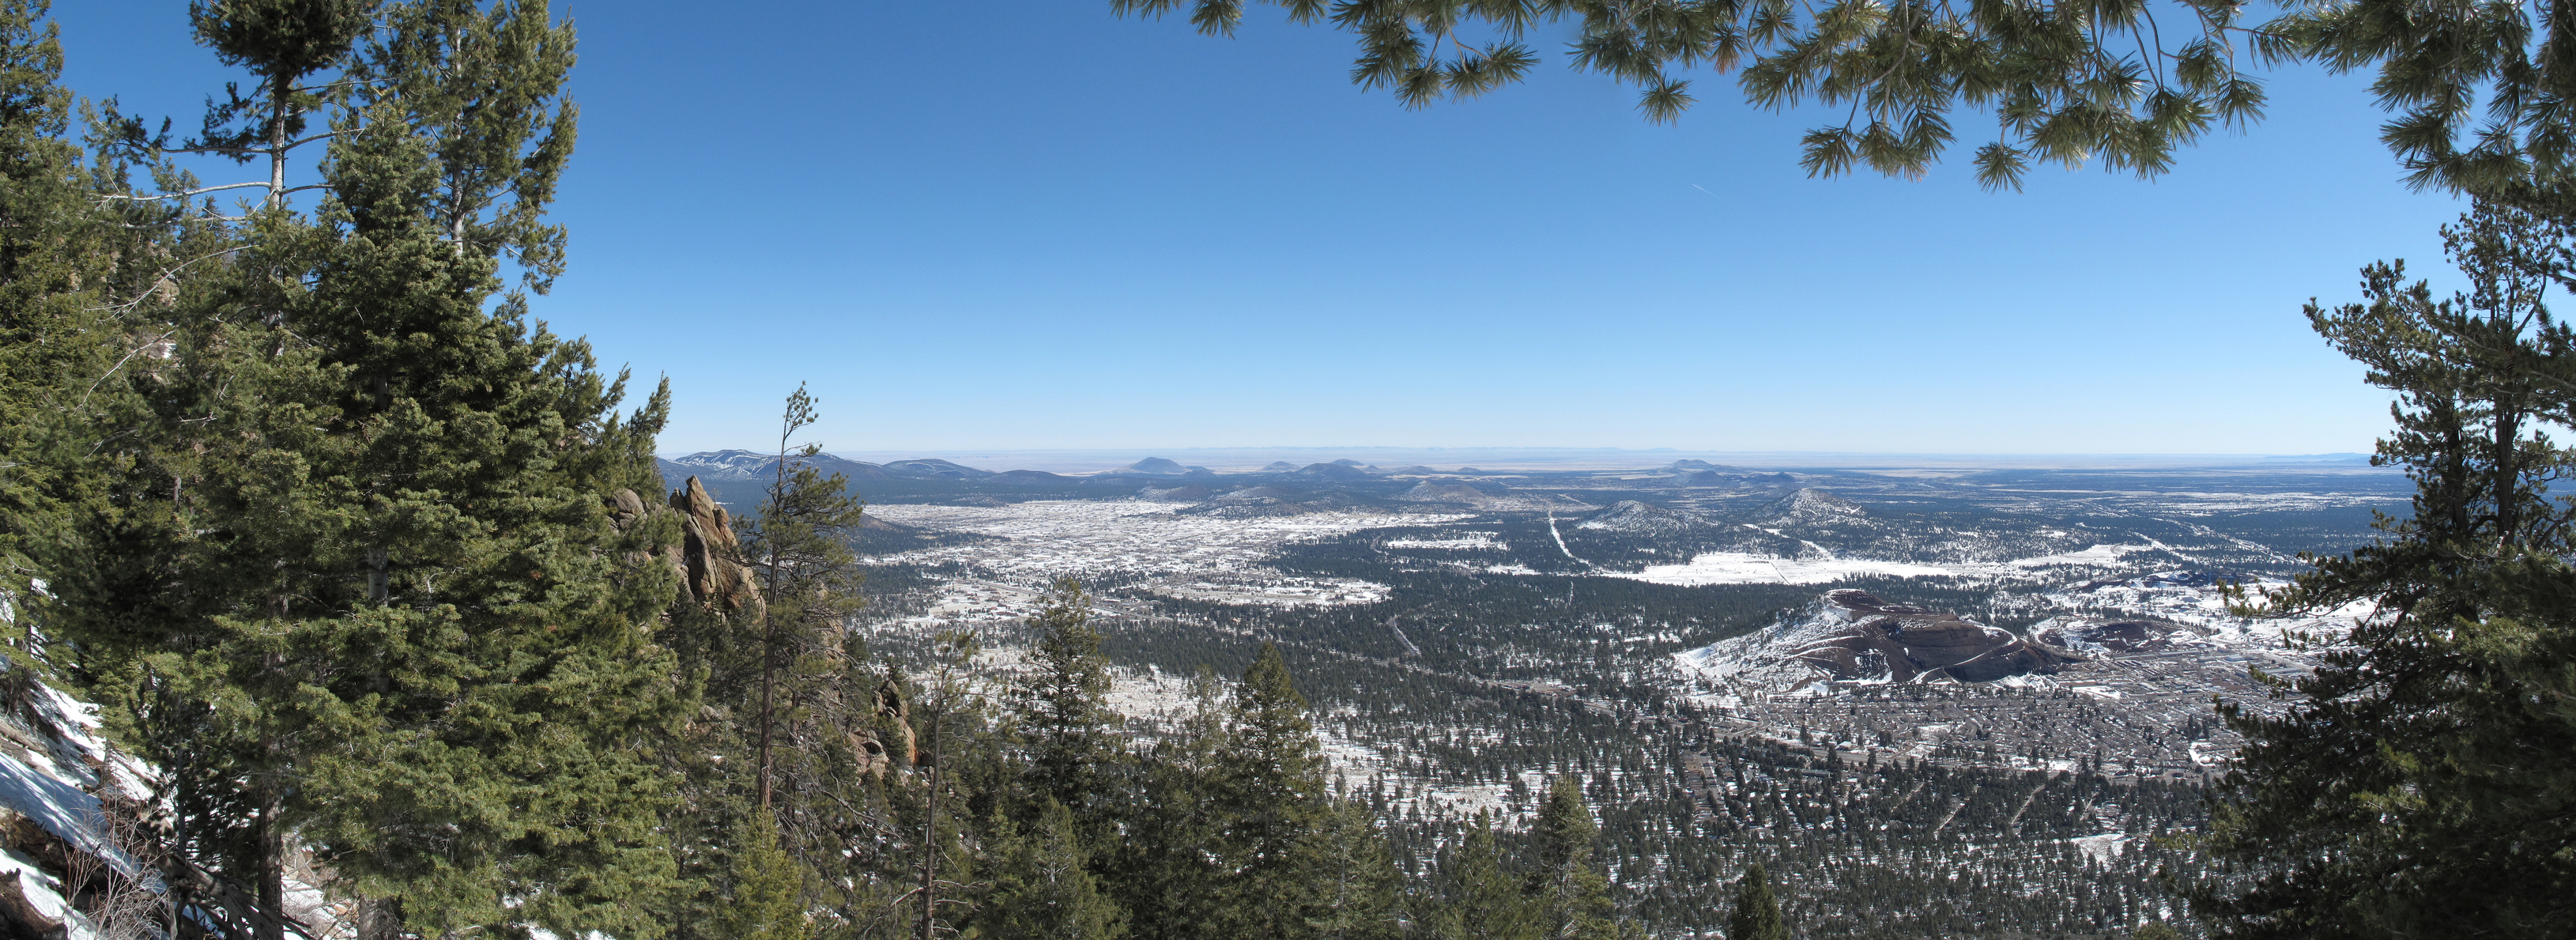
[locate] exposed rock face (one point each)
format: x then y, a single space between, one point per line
880 747
710 557
1853 636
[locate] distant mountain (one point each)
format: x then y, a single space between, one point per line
1629 515
1347 462
932 468
1158 467
1811 506
1337 470
733 466
1279 466
1435 491
1030 477
1679 466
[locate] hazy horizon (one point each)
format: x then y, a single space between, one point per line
1449 459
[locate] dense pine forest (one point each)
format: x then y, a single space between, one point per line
378 581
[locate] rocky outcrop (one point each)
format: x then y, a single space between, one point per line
710 559
888 743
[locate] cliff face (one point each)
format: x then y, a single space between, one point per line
710 558
1853 636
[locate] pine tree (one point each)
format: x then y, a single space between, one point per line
768 897
1270 796
1757 915
282 43
1572 894
1062 702
381 587
2154 930
1165 872
1043 886
57 343
1484 901
1357 886
2417 783
799 542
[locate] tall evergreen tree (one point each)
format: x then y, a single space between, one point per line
1572 894
767 900
1042 886
2423 780
1062 702
56 343
1757 913
364 562
799 544
1358 891
1485 902
1270 795
1164 872
282 44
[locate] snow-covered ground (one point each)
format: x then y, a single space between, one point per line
1193 556
1742 568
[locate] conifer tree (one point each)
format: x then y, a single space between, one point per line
1757 914
1357 887
1484 901
1042 886
768 897
807 701
1270 794
2417 782
1572 894
1062 702
55 340
363 564
1164 871
282 43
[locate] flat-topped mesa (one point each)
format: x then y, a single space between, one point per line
1904 643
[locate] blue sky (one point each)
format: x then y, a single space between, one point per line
1030 225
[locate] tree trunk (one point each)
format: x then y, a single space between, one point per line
930 833
279 90
270 920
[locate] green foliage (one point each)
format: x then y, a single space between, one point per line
2421 781
1484 901
54 339
1063 704
2154 930
1757 914
768 899
357 558
2066 84
1572 894
1042 887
